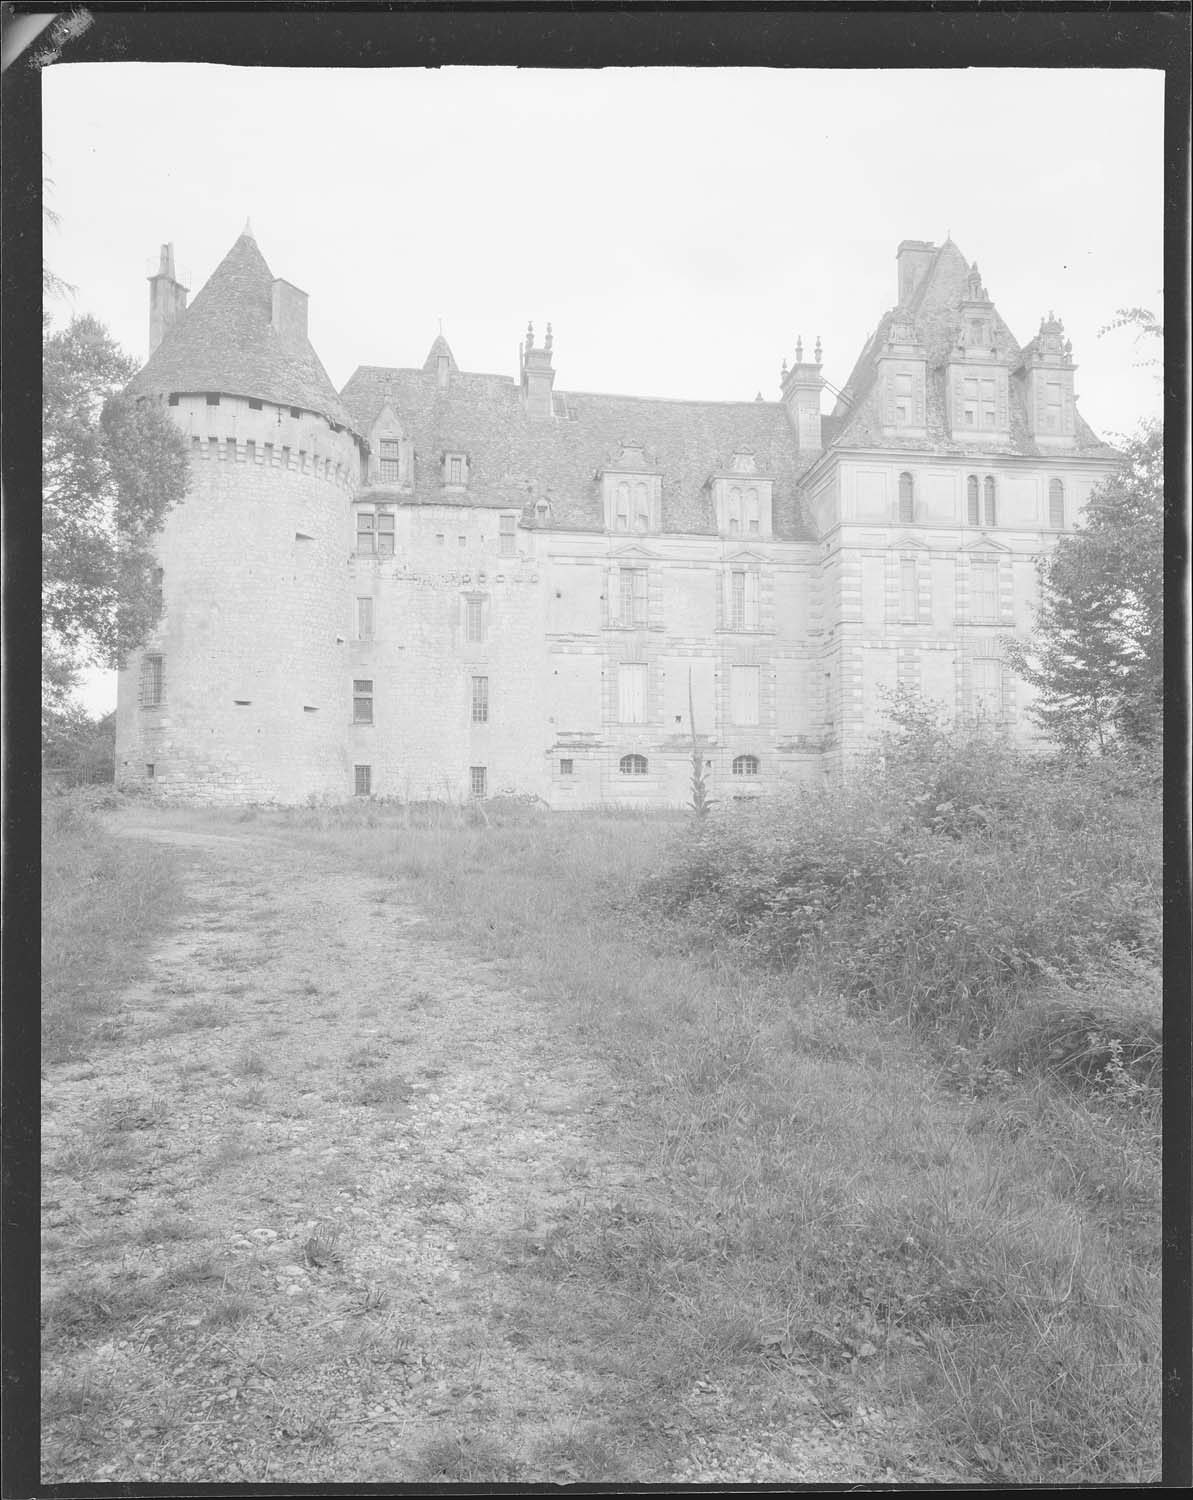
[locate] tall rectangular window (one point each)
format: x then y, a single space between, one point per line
363 780
743 694
474 618
477 777
984 590
631 692
385 533
391 461
987 404
365 531
152 681
742 600
987 688
632 596
909 599
364 619
480 700
1056 503
1052 406
508 535
362 700
969 403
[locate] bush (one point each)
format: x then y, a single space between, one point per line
951 882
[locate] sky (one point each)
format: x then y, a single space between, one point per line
678 227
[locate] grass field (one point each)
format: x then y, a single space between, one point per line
949 1228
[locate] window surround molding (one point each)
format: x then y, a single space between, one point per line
457 469
635 567
632 492
743 502
748 602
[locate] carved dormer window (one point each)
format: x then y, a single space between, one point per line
632 493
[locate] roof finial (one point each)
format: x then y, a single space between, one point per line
783 372
549 340
530 335
440 327
817 349
248 228
799 348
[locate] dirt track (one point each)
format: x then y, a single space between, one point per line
298 1215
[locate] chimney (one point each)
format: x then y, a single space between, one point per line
801 386
167 298
538 378
913 258
288 310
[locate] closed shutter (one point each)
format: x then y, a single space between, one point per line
984 585
751 600
987 688
631 693
614 593
743 695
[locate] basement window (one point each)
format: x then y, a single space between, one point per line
362 781
632 765
746 765
242 702
150 770
478 777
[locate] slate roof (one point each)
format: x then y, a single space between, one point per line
935 308
516 459
225 342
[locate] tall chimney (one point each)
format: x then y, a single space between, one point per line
913 257
167 298
288 309
538 377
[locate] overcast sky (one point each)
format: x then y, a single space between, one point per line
677 226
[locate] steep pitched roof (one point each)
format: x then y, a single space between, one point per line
935 308
517 459
225 341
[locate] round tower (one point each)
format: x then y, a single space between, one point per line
243 692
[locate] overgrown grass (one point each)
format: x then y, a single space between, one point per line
104 899
944 1197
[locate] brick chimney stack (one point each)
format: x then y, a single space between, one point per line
167 298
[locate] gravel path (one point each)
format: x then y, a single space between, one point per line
293 1208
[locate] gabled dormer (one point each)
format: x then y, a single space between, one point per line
902 364
1048 369
391 450
742 498
977 377
441 362
632 490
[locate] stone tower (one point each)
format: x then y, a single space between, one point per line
242 691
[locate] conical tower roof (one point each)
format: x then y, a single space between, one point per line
225 341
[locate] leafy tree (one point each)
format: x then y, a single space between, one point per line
112 466
1096 658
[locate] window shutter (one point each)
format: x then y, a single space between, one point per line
614 593
751 599
743 695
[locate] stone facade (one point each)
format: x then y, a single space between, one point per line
439 584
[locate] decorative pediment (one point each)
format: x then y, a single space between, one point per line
985 543
745 555
629 457
905 542
634 553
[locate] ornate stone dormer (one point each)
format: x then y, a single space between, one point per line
742 498
391 451
632 489
902 363
1048 371
538 378
800 387
977 380
167 297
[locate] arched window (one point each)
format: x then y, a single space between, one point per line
991 501
633 765
906 497
622 520
1056 503
746 765
973 513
